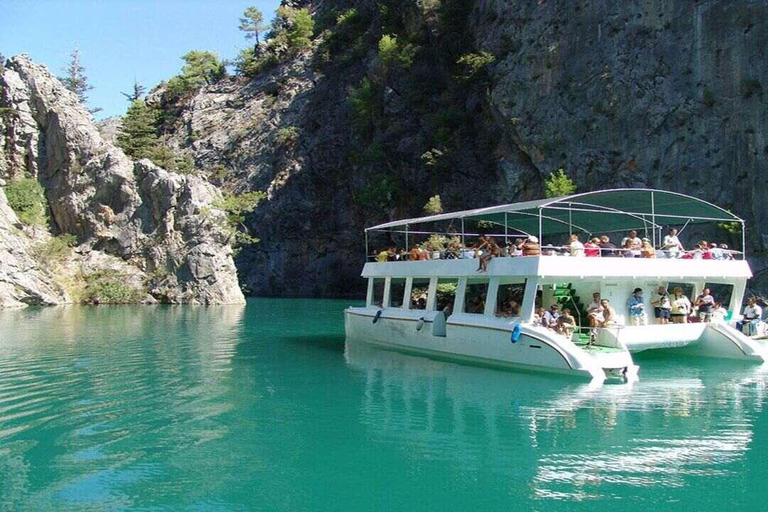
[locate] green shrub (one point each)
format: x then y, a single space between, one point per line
300 28
394 53
433 206
559 184
110 287
55 250
365 104
472 64
200 68
708 97
235 207
249 64
347 16
27 198
287 136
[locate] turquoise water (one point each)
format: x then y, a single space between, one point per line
265 408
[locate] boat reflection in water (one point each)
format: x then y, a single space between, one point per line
680 423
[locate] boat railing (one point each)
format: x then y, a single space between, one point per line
564 251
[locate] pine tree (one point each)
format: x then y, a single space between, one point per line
138 92
76 81
252 23
138 132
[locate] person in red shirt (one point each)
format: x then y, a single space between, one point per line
592 248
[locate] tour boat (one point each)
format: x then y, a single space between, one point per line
447 308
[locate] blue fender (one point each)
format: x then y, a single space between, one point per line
515 337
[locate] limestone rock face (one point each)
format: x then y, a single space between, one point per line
669 95
22 280
161 223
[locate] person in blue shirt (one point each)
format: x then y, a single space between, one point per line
549 318
636 306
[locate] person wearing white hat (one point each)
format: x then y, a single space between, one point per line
531 247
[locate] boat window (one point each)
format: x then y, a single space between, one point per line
686 287
474 298
419 293
722 293
396 292
446 295
509 299
378 292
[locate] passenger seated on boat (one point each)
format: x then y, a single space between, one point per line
671 246
517 248
549 250
550 316
592 248
727 253
575 247
752 315
490 251
635 243
531 247
628 250
647 250
476 305
719 313
448 309
565 323
607 248
681 307
636 306
453 251
414 253
595 311
509 309
609 314
538 316
424 254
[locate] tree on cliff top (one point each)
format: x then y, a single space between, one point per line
558 184
137 135
137 93
76 80
252 23
200 68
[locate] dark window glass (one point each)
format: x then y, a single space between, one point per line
510 299
378 292
446 294
396 292
722 293
474 298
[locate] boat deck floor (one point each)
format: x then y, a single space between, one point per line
597 348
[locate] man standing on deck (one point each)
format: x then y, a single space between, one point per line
662 306
705 303
637 308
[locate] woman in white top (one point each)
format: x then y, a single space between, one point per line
575 246
672 246
681 307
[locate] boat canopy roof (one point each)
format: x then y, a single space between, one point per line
601 211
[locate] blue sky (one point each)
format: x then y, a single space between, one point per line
123 39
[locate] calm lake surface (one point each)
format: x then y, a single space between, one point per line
265 407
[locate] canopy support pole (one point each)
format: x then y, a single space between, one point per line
463 242
541 238
366 245
570 219
506 230
406 239
743 241
653 219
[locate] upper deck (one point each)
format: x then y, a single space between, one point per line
562 266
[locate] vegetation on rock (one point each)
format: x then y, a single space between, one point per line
252 23
235 208
200 68
27 198
434 206
558 184
55 250
110 287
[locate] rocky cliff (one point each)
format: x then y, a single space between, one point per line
496 95
394 102
141 233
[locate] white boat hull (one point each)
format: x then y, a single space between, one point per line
474 340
